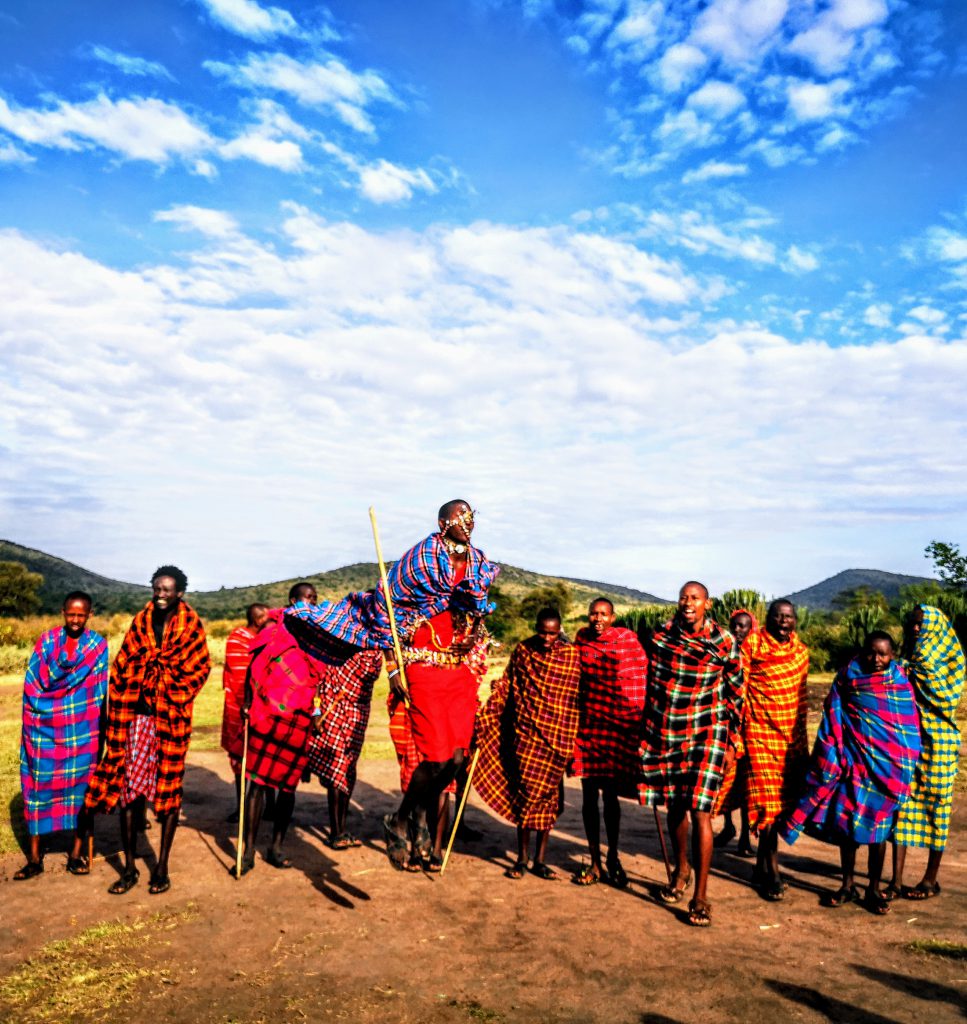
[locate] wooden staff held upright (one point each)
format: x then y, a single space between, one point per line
397 649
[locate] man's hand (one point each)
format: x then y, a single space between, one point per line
729 757
464 644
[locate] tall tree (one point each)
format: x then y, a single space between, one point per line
950 564
18 589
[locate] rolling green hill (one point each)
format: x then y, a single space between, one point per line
820 596
111 596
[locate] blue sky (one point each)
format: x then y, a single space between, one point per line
667 290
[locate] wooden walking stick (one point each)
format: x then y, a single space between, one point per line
664 848
463 803
241 804
397 649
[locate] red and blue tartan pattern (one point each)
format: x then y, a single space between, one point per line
170 677
62 701
346 696
614 686
863 759
237 657
525 734
694 703
420 585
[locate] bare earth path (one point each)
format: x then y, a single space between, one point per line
344 937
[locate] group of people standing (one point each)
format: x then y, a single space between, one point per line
699 718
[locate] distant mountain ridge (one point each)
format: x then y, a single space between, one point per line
110 596
820 596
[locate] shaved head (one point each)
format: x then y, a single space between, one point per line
695 583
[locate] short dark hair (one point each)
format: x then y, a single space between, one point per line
296 587
181 580
547 615
78 595
878 634
778 603
250 611
601 600
694 583
448 506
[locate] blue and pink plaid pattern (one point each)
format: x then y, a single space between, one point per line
863 759
62 702
420 585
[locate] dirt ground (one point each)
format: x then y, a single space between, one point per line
342 936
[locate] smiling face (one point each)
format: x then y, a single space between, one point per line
165 593
693 606
600 617
781 621
307 593
76 614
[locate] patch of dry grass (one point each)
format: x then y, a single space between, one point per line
939 947
86 976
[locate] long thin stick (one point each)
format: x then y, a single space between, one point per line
463 803
241 805
397 649
664 848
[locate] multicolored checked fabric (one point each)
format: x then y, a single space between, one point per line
140 761
614 684
421 585
863 759
525 733
346 696
937 674
169 677
694 703
774 724
63 695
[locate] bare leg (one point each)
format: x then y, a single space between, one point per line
678 827
875 868
284 806
847 860
254 806
933 867
701 850
130 818
592 823
233 817
899 860
338 809
612 820
523 844
34 857
744 849
169 825
728 831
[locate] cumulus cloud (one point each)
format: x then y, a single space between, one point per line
329 85
249 19
136 129
689 228
736 29
829 42
679 65
815 101
497 361
718 99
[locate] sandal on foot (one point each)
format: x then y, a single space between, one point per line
876 903
434 864
396 845
843 895
248 863
159 884
540 869
674 894
745 851
78 865
31 869
516 871
699 913
127 881
344 841
277 860
617 877
923 891
890 892
588 876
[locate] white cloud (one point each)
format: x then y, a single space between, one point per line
878 315
679 65
270 141
249 19
329 85
136 128
691 230
831 40
800 261
736 29
636 34
137 67
10 154
815 101
928 315
718 99
713 169
532 360
384 182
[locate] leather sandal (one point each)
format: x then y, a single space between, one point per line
127 881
